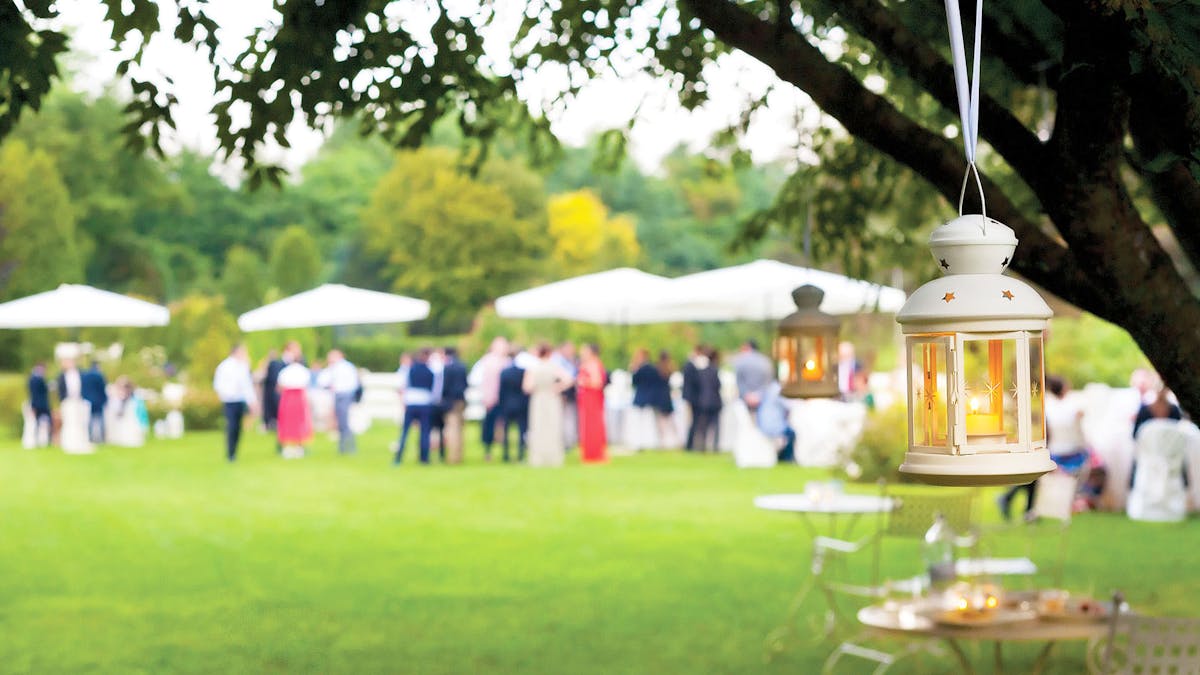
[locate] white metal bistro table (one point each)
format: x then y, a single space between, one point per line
831 504
910 620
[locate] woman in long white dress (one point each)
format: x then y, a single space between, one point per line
74 411
545 382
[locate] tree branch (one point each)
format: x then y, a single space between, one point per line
873 119
1019 146
1176 191
1026 58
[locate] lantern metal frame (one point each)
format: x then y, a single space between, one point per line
975 303
806 347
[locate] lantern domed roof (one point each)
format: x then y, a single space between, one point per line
973 244
972 252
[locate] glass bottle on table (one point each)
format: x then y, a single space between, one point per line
939 554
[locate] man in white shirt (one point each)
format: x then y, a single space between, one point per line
235 387
341 377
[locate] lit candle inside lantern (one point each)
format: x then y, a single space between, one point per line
812 370
982 425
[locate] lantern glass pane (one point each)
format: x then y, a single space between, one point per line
1037 384
811 362
993 386
785 354
928 362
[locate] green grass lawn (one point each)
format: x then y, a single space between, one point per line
168 559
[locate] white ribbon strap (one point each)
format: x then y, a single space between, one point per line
968 93
968 89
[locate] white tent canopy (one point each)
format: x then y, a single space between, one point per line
610 297
77 306
759 291
334 305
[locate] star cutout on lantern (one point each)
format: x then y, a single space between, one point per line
1005 263
948 297
928 396
1033 390
1015 390
1008 295
945 265
990 388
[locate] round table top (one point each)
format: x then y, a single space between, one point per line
824 503
913 618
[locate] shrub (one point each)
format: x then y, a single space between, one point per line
881 449
381 352
13 392
202 410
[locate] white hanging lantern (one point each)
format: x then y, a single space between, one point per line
976 379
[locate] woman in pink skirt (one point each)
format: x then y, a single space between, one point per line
295 422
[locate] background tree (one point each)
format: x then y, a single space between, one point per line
586 238
442 235
295 262
119 196
37 224
243 282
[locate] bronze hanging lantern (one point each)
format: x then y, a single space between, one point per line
806 347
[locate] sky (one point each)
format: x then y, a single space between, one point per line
610 102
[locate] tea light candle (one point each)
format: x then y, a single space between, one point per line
811 371
982 426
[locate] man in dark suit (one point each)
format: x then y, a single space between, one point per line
454 405
39 402
513 407
270 386
690 393
94 390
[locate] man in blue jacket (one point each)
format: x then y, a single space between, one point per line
94 390
418 404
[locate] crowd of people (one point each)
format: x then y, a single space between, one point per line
551 397
91 410
537 404
1069 447
541 402
285 382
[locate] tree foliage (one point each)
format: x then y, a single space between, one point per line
295 261
243 280
586 238
37 224
453 239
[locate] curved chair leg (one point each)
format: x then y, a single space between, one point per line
884 659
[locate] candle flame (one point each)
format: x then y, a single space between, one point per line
991 602
810 365
962 604
974 404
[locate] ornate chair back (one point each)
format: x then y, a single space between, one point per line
1146 644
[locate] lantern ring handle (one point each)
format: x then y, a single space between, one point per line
972 169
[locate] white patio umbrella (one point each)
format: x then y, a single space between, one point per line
78 306
610 297
334 305
761 291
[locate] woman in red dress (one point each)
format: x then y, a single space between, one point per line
590 401
294 425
